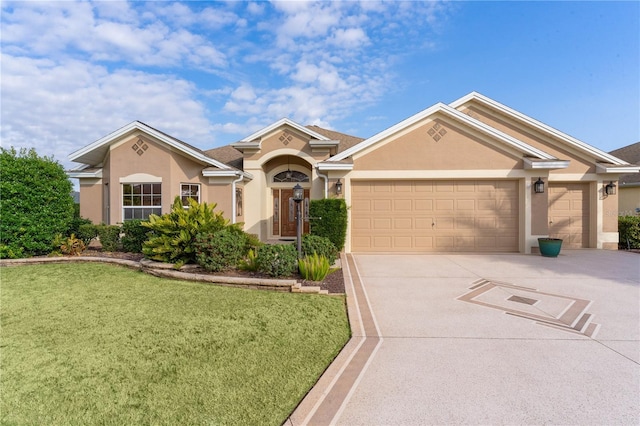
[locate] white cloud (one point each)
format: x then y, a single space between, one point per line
139 39
350 38
99 66
60 107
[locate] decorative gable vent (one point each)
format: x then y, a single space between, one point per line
140 147
286 137
437 132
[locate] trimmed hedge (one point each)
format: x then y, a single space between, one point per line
277 260
629 232
109 236
333 220
134 235
35 203
220 250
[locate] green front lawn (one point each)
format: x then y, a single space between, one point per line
87 344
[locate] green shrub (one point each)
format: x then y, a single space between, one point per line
134 234
253 241
314 244
629 232
314 267
174 233
76 224
332 222
8 252
220 250
109 236
250 263
277 260
87 232
35 202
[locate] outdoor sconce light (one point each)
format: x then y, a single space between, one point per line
298 193
610 188
338 187
298 196
538 186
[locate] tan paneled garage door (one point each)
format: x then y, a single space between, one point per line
569 213
434 216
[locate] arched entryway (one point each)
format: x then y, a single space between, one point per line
282 174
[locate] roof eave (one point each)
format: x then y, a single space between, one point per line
591 150
258 135
327 166
227 173
530 164
84 175
616 169
77 156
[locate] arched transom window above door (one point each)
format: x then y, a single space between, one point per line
290 176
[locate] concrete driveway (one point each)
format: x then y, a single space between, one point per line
487 339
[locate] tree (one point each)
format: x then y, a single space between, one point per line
35 202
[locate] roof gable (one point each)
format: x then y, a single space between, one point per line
477 98
256 136
455 115
94 153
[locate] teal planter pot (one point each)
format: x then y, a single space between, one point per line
550 247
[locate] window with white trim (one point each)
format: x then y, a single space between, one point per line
189 190
139 200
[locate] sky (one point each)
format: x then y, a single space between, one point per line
211 73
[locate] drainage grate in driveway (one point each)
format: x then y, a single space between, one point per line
521 299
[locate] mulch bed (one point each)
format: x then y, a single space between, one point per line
334 282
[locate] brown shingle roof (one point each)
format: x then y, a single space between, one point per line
346 141
227 155
630 154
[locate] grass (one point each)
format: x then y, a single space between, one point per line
87 344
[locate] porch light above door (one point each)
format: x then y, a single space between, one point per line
538 186
338 187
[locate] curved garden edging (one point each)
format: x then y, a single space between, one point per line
167 270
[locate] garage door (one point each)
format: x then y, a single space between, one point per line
569 213
434 216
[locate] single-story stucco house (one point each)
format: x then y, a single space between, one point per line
629 185
451 178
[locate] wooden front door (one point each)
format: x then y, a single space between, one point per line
284 212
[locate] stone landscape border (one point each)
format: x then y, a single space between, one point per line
187 273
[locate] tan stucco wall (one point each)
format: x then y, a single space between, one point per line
91 199
220 194
539 211
171 167
417 150
578 164
610 210
628 200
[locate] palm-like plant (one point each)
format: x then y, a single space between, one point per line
174 233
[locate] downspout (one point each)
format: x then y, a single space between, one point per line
234 201
326 182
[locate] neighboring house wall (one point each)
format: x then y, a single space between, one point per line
629 200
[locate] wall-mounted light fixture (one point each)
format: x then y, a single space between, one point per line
338 187
610 188
538 186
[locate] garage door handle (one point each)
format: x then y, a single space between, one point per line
433 223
